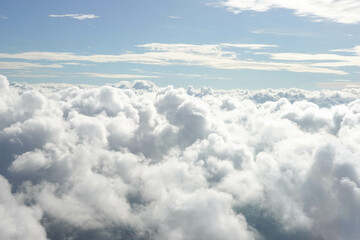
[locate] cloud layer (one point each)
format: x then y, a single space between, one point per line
227 56
134 161
342 11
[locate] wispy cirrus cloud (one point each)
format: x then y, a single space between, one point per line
32 76
3 17
280 32
338 84
342 11
22 65
355 50
74 16
218 56
116 75
322 60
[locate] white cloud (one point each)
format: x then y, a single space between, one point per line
203 49
119 76
3 17
32 76
199 76
322 60
355 50
339 84
22 65
17 220
135 161
75 16
218 56
280 32
342 11
174 17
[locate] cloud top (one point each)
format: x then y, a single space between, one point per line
136 161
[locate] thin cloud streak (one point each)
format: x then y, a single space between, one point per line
75 16
32 76
120 76
355 50
327 60
283 33
217 56
22 65
338 84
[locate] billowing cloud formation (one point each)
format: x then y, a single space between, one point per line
134 161
17 220
343 11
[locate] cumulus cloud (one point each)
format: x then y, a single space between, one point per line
342 11
18 221
74 16
136 161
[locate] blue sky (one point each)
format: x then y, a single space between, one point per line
220 43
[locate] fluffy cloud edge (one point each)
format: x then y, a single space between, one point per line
340 11
134 160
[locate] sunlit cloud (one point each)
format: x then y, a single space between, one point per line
342 11
355 50
217 56
322 60
136 161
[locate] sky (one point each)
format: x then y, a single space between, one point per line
224 44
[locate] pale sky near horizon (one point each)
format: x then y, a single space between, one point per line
219 43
